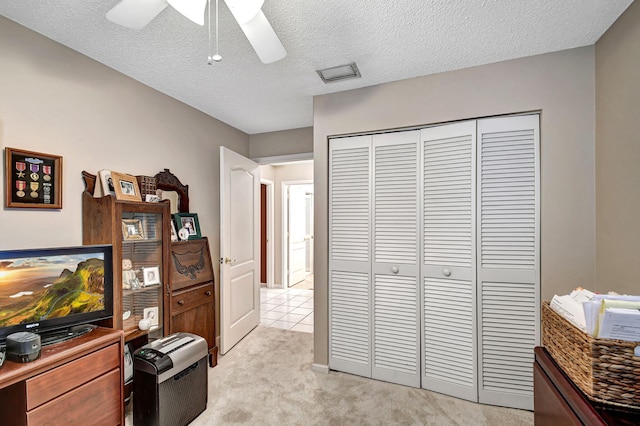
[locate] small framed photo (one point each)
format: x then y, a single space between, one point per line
104 184
152 315
32 180
151 276
188 221
174 233
132 229
126 187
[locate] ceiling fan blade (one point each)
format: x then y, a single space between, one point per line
263 39
136 14
192 9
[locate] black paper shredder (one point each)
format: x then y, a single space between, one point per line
170 380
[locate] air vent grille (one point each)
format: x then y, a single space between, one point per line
342 72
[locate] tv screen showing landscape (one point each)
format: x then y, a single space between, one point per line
45 287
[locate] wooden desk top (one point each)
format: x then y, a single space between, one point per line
57 354
589 412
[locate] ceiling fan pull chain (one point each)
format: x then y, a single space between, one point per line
209 58
217 56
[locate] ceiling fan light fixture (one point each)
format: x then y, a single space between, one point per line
263 39
244 10
192 9
128 13
341 72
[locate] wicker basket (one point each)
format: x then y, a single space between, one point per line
605 370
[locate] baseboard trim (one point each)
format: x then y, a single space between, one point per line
320 368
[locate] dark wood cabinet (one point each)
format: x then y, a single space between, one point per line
71 382
103 222
190 300
557 401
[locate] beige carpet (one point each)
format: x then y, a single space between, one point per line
267 380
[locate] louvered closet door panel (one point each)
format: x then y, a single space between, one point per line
349 259
395 330
508 261
395 235
448 260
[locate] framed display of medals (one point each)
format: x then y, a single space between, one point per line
32 179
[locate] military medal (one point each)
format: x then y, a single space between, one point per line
21 167
35 168
20 185
47 173
34 189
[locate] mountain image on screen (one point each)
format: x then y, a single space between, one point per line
28 292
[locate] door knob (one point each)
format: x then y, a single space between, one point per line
227 260
395 269
446 272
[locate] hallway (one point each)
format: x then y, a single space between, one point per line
288 309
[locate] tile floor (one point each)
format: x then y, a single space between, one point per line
290 309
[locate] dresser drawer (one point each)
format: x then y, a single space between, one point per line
190 263
189 299
53 383
96 403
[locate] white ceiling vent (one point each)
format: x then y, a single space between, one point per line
341 72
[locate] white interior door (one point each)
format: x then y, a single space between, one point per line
239 247
297 233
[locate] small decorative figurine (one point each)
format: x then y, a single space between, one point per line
129 278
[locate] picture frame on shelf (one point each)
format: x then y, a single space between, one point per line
126 187
104 184
151 276
188 221
174 233
32 179
151 314
132 229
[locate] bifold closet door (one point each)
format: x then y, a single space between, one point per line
374 214
508 258
395 268
350 255
448 260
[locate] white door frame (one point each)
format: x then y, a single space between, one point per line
285 227
270 226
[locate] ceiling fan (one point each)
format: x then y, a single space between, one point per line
136 14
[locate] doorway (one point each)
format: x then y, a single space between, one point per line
297 235
282 306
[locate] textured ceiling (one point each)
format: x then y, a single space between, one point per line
389 40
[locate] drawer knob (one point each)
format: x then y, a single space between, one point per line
180 302
208 293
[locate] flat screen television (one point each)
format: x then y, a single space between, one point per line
53 290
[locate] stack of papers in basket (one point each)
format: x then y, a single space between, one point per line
606 316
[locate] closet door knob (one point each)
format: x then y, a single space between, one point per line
446 272
395 269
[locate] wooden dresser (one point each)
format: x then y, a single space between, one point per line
190 304
557 401
74 382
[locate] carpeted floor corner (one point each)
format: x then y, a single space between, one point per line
267 380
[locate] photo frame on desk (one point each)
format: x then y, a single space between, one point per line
126 187
188 221
32 179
